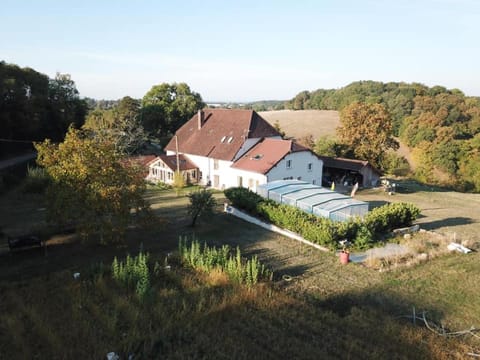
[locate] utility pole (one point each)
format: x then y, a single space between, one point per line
178 156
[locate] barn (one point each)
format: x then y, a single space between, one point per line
347 172
314 199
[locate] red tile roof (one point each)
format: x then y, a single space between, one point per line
141 160
266 154
171 162
222 133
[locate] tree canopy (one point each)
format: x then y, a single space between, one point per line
93 189
166 107
367 130
35 107
439 125
120 125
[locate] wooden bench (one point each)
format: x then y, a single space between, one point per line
19 242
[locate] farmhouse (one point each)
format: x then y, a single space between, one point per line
226 148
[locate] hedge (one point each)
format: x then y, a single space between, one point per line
324 231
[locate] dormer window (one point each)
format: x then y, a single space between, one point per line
223 139
257 157
230 139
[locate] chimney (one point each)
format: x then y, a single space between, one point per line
200 119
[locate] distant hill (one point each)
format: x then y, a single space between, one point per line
262 105
440 126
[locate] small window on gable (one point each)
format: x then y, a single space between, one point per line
310 166
230 139
223 139
289 164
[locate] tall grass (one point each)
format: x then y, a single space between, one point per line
224 259
36 181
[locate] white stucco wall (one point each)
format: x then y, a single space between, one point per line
229 177
248 180
299 168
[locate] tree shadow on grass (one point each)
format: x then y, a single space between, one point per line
451 222
376 203
407 186
274 325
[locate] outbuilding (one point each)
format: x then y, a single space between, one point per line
347 172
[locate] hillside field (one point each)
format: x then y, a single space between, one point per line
298 123
318 123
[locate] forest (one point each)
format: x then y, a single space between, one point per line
34 107
441 126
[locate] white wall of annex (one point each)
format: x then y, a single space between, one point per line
299 168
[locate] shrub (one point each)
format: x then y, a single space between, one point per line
243 198
133 273
324 231
390 216
202 202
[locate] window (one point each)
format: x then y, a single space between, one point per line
289 164
239 181
215 164
310 166
250 183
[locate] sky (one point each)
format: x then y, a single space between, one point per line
244 50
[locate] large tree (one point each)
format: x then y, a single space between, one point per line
93 188
66 107
367 130
166 107
121 125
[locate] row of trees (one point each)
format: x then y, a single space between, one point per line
441 127
35 107
130 122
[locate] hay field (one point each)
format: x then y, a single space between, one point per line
318 123
298 123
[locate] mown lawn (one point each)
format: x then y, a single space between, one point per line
325 311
